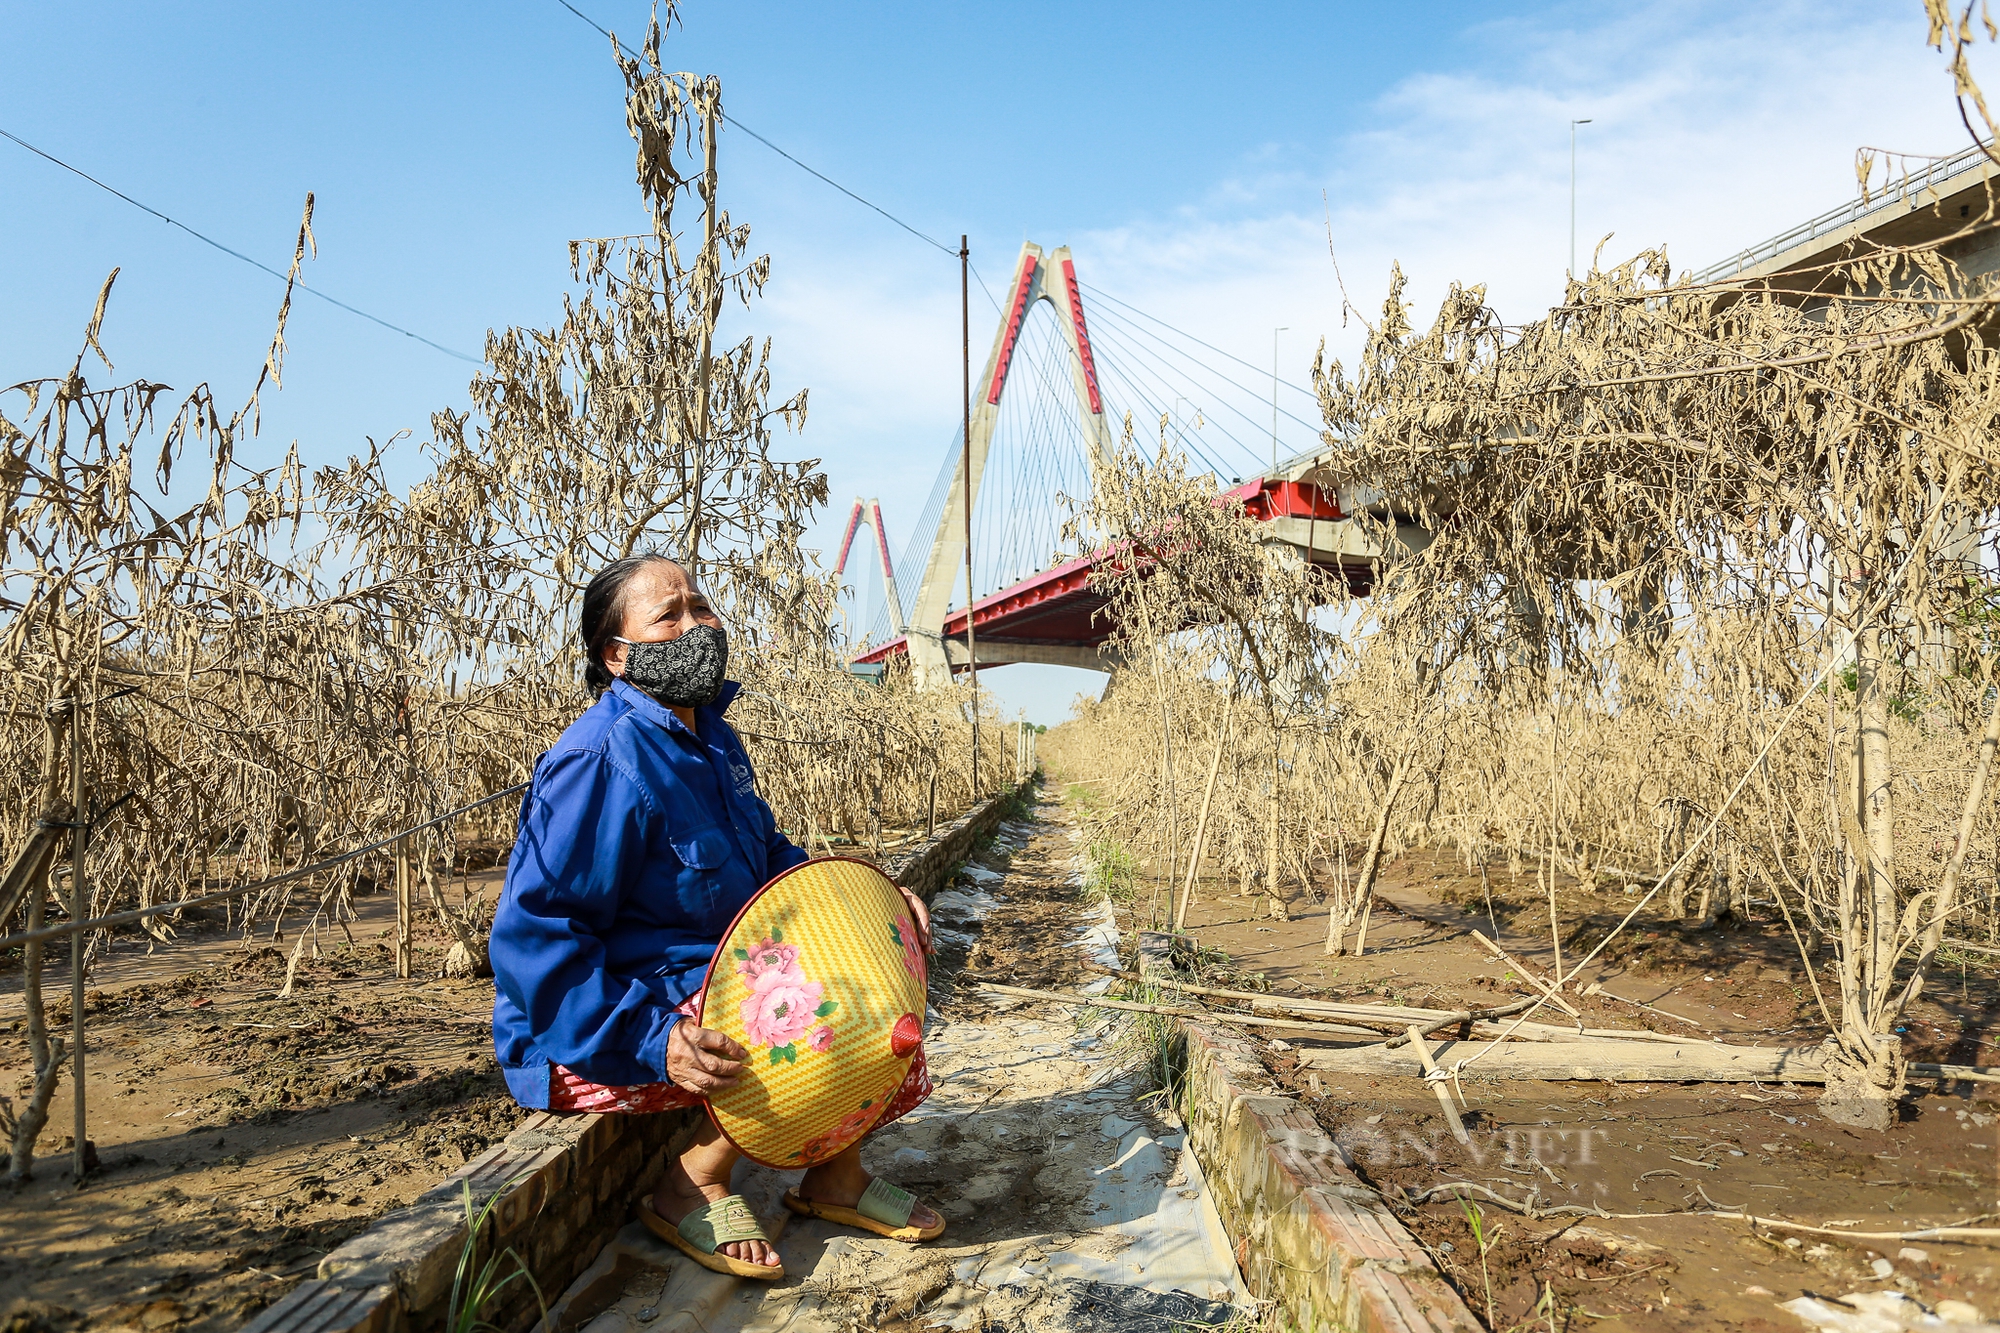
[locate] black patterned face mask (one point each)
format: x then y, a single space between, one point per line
680 673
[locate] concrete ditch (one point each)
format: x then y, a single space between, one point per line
1310 1238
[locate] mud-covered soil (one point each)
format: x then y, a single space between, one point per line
1033 942
1636 1148
240 1136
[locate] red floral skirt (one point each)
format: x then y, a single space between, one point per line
573 1092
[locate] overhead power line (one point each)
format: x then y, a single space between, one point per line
238 254
925 237
817 174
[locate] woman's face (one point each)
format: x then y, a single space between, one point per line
659 604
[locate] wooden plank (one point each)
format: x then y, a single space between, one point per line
1615 1061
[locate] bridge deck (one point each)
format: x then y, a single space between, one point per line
1059 608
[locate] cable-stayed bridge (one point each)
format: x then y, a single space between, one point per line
1047 413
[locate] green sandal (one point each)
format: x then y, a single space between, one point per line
883 1209
708 1228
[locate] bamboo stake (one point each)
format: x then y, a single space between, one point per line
403 906
79 910
1274 899
1201 821
1555 814
1435 1077
1532 979
1371 864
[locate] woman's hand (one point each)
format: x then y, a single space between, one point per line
919 914
701 1059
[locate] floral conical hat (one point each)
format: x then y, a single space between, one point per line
822 979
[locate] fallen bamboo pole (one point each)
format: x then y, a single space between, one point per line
1531 978
1596 989
1650 1061
1606 1061
1531 1208
1396 1017
1971 1073
1131 1006
1967 945
1436 1078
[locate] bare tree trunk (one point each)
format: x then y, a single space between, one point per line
1877 815
45 1052
1371 864
1865 1068
1201 820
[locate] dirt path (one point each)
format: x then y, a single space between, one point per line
1653 1148
1072 1203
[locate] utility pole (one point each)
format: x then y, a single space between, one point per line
1274 394
1572 192
965 463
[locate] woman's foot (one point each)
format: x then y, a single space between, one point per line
841 1181
692 1180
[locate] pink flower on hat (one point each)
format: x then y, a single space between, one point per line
769 959
781 1008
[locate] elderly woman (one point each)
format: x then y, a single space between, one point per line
640 839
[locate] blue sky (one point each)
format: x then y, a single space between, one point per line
1195 156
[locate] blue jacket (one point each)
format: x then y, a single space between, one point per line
639 841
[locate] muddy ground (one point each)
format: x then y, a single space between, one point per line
239 1137
1637 1147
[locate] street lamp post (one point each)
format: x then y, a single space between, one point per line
1572 192
1274 394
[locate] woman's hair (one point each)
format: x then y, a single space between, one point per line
603 613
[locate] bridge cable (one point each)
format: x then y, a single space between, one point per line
1111 355
1191 338
1114 351
1120 323
1109 362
